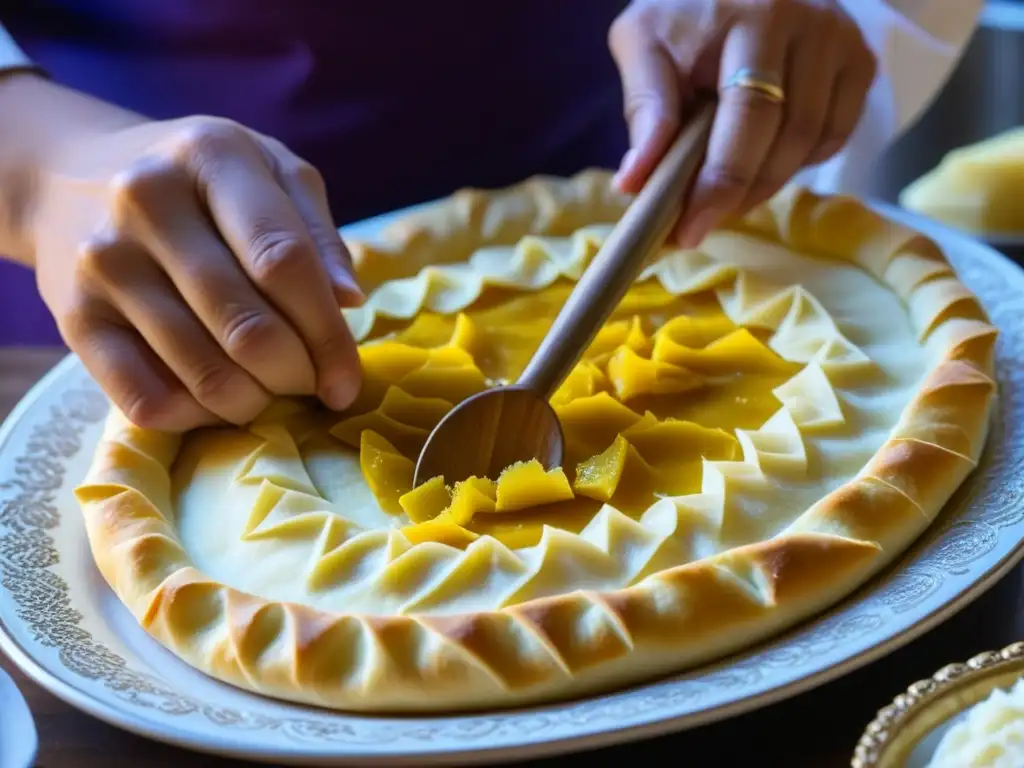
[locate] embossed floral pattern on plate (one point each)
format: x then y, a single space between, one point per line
58 623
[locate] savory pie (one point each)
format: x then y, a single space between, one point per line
763 424
975 188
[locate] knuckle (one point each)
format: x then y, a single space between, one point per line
724 180
211 137
148 410
101 257
247 333
213 383
142 177
141 185
76 322
275 254
859 53
274 146
306 175
620 30
636 101
634 24
225 389
802 130
648 16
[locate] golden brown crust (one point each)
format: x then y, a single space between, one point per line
573 643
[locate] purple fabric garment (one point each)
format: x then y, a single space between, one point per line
394 102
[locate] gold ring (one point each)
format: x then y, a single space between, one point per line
764 83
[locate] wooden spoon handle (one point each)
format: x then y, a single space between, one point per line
642 229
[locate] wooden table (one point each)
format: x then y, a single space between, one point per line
815 730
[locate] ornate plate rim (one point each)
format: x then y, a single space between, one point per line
957 680
148 724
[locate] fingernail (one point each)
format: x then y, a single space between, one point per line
348 297
644 126
340 396
625 166
346 286
342 392
697 228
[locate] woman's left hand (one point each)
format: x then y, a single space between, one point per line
751 52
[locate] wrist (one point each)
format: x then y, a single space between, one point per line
37 119
16 180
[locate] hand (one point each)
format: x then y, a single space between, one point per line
194 267
668 51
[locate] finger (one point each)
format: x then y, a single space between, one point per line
812 70
305 187
652 101
149 302
849 96
268 236
744 129
161 210
136 380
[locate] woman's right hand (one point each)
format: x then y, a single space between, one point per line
194 267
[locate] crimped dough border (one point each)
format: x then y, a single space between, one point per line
580 642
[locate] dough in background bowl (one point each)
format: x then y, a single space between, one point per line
977 188
766 422
990 735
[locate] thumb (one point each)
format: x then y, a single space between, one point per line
652 102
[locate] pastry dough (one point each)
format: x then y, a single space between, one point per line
975 188
764 424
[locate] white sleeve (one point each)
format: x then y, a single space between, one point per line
11 56
918 43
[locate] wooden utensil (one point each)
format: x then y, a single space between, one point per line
496 428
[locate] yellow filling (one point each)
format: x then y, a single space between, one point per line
659 390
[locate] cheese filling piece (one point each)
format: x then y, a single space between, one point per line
733 388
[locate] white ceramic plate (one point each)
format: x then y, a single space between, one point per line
62 625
